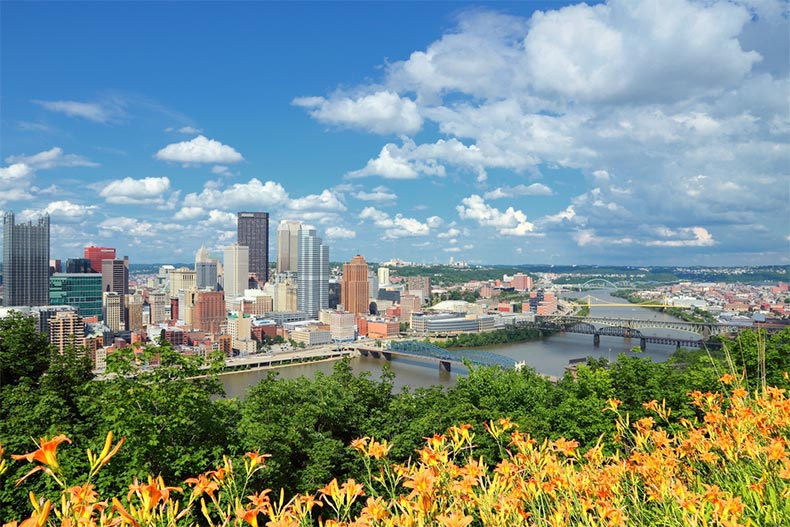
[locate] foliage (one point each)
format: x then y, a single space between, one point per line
489 338
730 468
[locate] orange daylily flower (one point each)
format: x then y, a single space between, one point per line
46 453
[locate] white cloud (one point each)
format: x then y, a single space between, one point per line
16 179
450 233
379 193
327 201
434 222
199 150
64 211
96 112
189 213
220 219
130 191
387 166
452 249
683 237
334 233
535 189
382 112
394 227
252 194
128 226
221 170
511 222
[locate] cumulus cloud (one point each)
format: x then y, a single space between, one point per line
327 201
189 213
642 98
510 222
382 112
683 237
238 196
64 211
535 189
128 226
16 179
396 226
130 191
199 150
335 233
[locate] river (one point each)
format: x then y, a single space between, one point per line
549 356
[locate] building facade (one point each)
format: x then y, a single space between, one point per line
209 311
25 262
97 255
253 232
355 288
237 270
66 329
206 275
288 246
80 290
312 278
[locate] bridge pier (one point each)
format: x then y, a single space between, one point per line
596 339
387 356
444 365
643 343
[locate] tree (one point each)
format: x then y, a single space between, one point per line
24 353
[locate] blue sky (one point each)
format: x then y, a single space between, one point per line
649 133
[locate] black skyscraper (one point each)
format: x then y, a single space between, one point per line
253 232
26 262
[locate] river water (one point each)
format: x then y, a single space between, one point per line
549 356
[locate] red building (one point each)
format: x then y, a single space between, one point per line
97 254
209 311
355 289
382 329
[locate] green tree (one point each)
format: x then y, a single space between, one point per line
24 353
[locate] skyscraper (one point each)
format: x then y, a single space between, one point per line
236 270
97 255
312 279
355 289
253 232
115 279
288 246
80 290
66 329
26 261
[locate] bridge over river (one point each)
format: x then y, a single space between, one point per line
698 332
412 349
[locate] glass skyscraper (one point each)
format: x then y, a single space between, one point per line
25 262
80 290
312 278
253 231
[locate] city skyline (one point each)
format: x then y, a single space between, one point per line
619 133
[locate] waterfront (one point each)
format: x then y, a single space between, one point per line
548 356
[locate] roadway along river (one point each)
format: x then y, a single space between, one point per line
548 356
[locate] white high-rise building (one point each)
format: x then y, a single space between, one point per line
288 246
384 277
312 278
237 270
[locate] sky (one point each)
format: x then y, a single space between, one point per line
625 132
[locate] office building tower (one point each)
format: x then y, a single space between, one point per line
97 255
522 282
208 312
384 277
55 266
206 275
115 278
288 246
181 279
420 286
253 232
158 301
82 291
236 269
66 329
115 275
334 294
134 312
355 288
112 304
25 261
373 279
312 279
80 265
